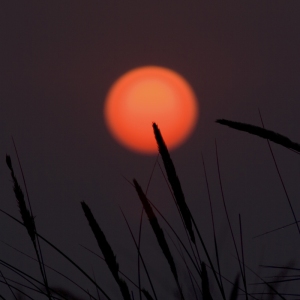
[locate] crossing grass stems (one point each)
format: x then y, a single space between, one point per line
197 268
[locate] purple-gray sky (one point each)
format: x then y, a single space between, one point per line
59 58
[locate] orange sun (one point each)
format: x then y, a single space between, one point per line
150 94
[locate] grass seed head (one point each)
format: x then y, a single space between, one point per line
109 256
28 219
174 181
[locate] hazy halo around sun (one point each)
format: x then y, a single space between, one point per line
150 94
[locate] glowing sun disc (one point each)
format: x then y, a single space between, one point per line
150 94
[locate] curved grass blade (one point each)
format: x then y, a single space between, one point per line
18 290
61 253
270 136
263 133
54 270
30 280
4 278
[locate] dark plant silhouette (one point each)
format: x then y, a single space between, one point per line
200 273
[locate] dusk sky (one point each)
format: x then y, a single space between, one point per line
58 60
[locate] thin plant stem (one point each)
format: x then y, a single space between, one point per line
143 262
61 253
213 222
94 253
191 276
273 230
50 268
280 177
8 285
226 211
140 227
139 249
27 216
243 258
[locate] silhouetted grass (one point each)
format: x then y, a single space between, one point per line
28 221
110 257
263 133
158 233
202 275
269 136
174 181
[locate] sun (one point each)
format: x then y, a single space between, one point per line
150 94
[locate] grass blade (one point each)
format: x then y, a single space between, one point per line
61 253
54 270
8 285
